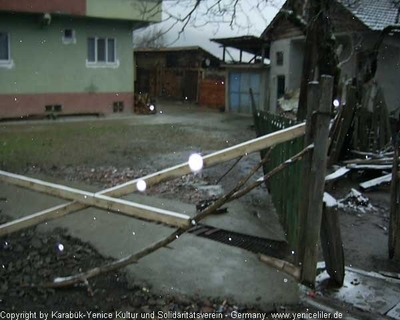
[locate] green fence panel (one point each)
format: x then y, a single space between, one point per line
285 187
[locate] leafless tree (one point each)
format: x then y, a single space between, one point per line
149 38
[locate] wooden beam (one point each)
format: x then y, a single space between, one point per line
99 201
281 265
215 158
313 96
317 183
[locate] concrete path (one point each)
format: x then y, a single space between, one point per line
195 266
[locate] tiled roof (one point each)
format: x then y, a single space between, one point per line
375 14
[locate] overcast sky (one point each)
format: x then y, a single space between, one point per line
250 20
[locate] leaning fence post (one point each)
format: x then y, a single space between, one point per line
313 219
313 96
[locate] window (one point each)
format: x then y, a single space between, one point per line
69 36
279 58
281 86
101 51
4 47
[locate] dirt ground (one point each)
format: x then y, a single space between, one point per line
106 152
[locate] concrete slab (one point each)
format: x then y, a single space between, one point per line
395 312
195 266
367 291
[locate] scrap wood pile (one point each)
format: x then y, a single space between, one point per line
361 136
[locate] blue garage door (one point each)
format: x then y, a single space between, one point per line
239 85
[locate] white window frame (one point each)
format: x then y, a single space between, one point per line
8 63
103 64
71 40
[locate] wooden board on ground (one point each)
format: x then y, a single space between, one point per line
331 243
376 182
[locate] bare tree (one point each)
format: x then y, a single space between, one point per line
149 38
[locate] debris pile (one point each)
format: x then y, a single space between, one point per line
355 201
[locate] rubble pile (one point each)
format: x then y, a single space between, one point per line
355 201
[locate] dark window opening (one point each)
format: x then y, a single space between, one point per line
53 108
68 34
281 87
4 47
101 50
91 50
118 106
279 58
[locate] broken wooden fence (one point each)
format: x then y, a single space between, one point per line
107 200
297 192
285 188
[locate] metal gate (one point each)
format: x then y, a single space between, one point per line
239 85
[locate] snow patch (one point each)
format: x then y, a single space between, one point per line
355 201
329 200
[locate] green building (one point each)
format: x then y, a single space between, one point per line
72 57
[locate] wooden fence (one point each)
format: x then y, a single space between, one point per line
285 187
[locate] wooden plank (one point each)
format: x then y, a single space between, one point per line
224 155
317 183
376 182
369 166
331 243
99 201
312 102
337 174
157 177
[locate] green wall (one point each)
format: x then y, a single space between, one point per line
43 64
125 9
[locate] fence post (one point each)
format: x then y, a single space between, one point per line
313 96
312 224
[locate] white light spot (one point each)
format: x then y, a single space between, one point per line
292 252
161 111
193 222
94 218
60 247
141 185
195 162
223 82
133 233
151 107
336 103
230 239
177 236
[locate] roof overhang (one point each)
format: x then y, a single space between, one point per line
250 44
